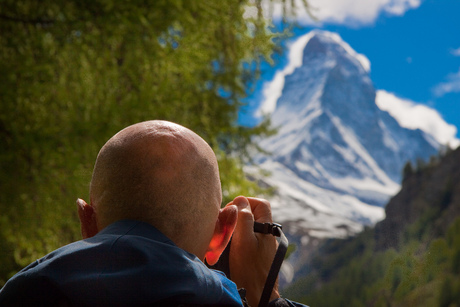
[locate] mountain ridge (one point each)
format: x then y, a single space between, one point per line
336 152
337 157
411 258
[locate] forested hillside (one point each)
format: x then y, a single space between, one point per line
73 73
412 258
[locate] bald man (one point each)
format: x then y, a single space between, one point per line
154 217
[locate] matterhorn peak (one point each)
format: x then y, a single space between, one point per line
329 43
337 158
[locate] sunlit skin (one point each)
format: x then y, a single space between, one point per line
259 249
180 163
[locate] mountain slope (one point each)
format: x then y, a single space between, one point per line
411 258
337 157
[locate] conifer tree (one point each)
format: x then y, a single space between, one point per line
73 73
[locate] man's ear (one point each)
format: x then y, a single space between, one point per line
87 216
225 225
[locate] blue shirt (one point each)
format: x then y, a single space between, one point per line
129 263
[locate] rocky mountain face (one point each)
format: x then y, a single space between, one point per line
430 196
337 158
411 258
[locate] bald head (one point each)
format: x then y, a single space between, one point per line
160 173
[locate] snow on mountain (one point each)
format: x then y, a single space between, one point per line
272 91
337 157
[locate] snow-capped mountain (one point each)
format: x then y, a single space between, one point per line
337 157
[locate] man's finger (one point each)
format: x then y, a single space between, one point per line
261 210
244 209
244 231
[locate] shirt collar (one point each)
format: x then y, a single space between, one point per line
136 228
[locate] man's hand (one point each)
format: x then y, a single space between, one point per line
252 254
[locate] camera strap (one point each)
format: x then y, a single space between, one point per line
265 228
275 230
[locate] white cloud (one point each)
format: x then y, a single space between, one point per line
348 12
413 115
452 85
455 52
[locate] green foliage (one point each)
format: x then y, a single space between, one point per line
453 241
420 229
291 248
420 273
76 72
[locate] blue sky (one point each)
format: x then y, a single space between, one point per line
413 47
